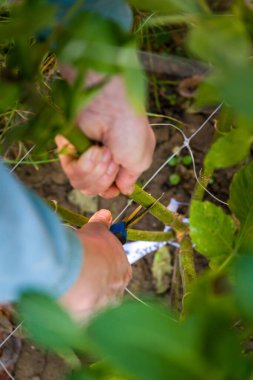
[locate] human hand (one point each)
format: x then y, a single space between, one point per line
128 143
105 272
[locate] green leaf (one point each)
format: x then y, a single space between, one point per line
146 343
48 324
243 267
97 371
167 6
212 232
9 96
91 42
241 199
220 40
39 15
134 77
168 19
229 149
207 93
235 87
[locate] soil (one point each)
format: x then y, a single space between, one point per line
50 183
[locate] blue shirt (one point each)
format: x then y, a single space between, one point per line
36 251
116 10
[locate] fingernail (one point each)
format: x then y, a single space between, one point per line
111 168
92 156
95 155
105 155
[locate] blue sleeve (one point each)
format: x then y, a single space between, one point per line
36 251
116 10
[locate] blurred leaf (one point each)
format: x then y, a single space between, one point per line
161 268
39 14
147 343
134 77
223 42
48 324
168 6
241 199
92 42
235 87
229 149
168 19
97 371
207 93
220 40
243 268
83 374
212 231
9 96
73 97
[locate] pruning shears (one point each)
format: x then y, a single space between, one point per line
120 229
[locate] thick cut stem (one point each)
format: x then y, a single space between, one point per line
159 211
78 220
68 216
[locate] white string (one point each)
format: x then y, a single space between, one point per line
13 332
162 166
184 145
136 298
169 125
144 303
187 145
144 23
206 121
197 179
6 370
21 159
1 345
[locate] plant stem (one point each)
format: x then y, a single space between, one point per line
78 139
175 282
78 220
222 126
68 216
186 262
159 211
149 235
199 190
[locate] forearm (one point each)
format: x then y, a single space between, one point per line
36 251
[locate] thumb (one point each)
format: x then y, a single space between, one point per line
102 216
125 181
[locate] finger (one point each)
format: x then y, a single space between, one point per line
101 178
102 216
63 144
112 192
81 171
125 181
